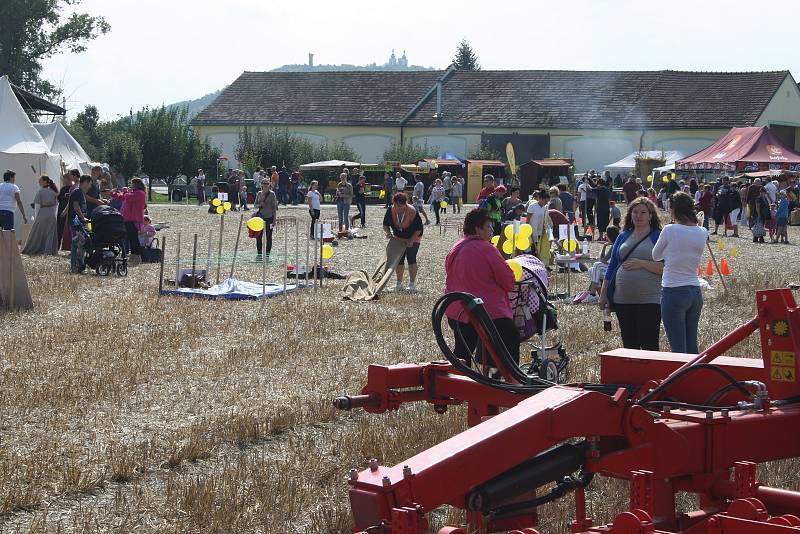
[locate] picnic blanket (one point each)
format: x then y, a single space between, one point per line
361 286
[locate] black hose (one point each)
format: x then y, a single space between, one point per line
561 489
689 406
684 372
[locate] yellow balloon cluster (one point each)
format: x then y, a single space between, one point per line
495 240
516 268
570 245
327 251
522 242
665 179
220 206
256 224
508 247
216 202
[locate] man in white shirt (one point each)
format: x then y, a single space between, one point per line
772 191
9 201
399 183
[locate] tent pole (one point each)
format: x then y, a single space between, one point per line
161 267
178 263
194 261
236 247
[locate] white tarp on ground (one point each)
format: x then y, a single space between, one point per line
331 164
628 163
61 142
23 150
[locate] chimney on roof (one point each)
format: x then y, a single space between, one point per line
310 59
438 114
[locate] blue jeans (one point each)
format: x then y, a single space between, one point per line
343 212
680 311
6 220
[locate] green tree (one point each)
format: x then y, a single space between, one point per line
465 58
122 152
163 136
277 146
89 120
484 152
409 152
76 130
33 30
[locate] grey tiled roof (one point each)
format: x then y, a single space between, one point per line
509 99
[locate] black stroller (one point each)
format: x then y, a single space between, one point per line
106 249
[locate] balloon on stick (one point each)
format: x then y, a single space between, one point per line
216 202
522 243
220 210
443 205
525 230
227 206
327 251
256 224
495 240
516 268
508 231
508 247
570 245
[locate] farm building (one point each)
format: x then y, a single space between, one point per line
593 117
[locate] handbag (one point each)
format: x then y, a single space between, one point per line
758 229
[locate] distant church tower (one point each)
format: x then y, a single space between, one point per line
392 59
404 60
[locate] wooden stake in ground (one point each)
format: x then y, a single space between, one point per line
194 261
161 267
308 245
264 267
296 252
285 253
178 263
236 247
219 248
721 278
12 289
207 275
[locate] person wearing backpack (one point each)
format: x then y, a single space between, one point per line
632 283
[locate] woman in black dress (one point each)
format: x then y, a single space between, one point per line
602 207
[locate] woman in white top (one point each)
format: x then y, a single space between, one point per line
314 204
43 238
680 246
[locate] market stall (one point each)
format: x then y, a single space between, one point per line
476 170
542 173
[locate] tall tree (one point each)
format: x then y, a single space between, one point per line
89 120
123 153
465 58
163 136
33 30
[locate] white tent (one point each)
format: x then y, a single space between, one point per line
628 163
61 142
23 150
331 164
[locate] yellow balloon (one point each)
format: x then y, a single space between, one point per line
382 194
516 268
89 227
664 179
220 210
523 243
443 205
570 245
525 230
255 224
649 178
733 252
495 240
227 206
674 175
327 252
508 231
508 247
216 202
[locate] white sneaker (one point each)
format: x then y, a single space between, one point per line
412 287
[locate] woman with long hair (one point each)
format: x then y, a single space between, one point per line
632 284
680 246
134 202
43 238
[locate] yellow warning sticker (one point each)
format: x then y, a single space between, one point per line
782 357
783 374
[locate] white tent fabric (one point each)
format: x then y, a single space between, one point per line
23 151
331 164
61 142
628 163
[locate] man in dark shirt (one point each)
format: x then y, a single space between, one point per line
283 186
567 202
93 194
630 188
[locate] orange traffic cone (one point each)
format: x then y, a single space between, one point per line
710 268
724 268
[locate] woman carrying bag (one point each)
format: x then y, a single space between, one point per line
266 206
632 284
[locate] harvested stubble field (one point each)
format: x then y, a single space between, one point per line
123 411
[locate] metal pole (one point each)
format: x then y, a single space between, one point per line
308 245
161 267
12 242
321 259
296 251
285 253
194 261
264 268
178 263
236 247
207 276
318 226
219 247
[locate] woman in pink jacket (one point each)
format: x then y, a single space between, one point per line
475 266
134 202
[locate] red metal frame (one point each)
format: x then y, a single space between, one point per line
659 451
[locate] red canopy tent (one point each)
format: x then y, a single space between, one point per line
749 149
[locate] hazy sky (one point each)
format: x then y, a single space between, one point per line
170 50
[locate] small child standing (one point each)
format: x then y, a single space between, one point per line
771 225
616 216
243 197
214 194
782 217
147 232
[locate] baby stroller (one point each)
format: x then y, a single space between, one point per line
535 316
105 243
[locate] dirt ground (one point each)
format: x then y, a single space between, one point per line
124 411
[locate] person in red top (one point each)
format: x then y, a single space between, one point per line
706 201
488 187
134 203
475 266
